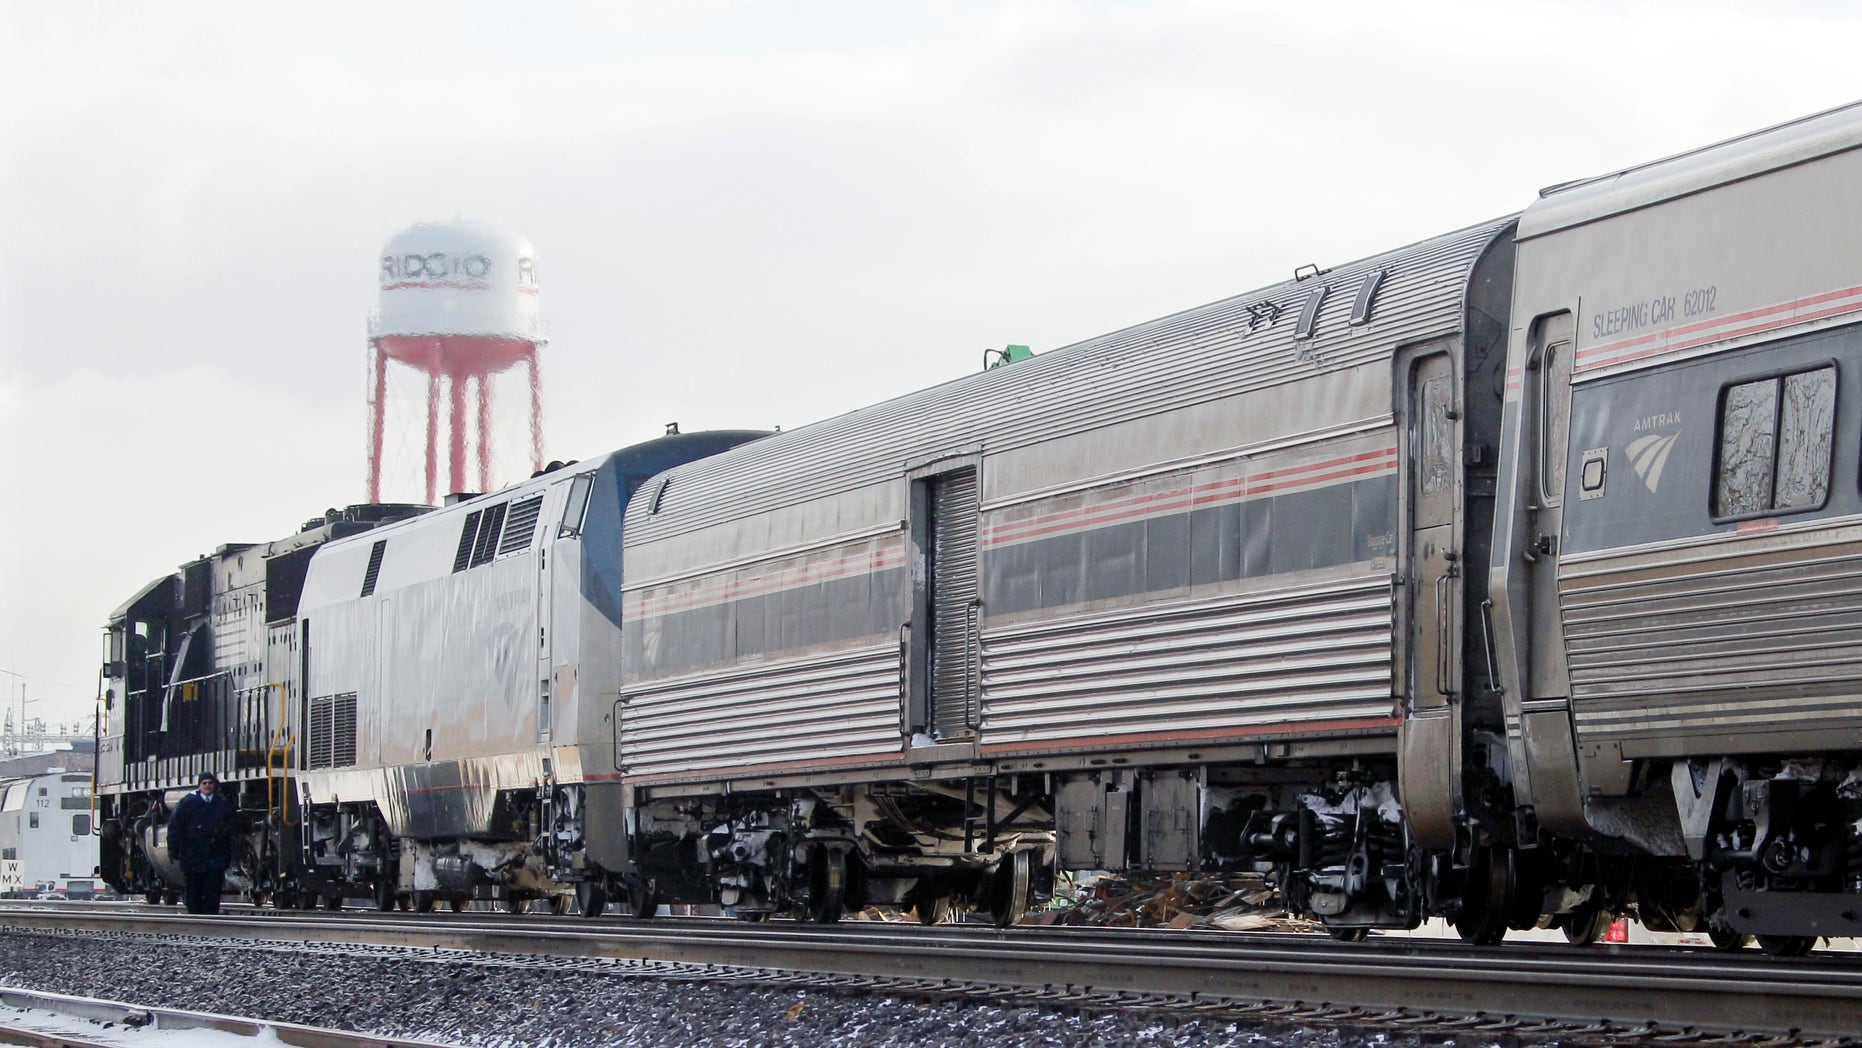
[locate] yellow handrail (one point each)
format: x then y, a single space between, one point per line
278 760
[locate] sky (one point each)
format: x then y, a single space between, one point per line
748 214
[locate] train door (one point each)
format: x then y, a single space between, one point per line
943 658
1548 387
1430 775
545 640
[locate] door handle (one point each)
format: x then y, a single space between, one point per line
905 695
972 668
1444 631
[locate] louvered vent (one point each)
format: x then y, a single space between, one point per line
467 536
521 526
488 529
343 733
374 571
321 735
332 731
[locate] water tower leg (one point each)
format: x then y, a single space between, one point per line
456 383
484 433
536 412
433 433
377 409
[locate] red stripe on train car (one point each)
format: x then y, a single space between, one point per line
1670 340
1209 493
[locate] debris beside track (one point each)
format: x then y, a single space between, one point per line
1183 900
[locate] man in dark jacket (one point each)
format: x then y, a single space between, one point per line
200 838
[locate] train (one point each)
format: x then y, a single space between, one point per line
1512 577
46 844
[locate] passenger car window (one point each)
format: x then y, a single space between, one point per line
1438 437
1775 443
1806 420
1554 420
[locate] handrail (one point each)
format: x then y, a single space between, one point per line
278 760
99 724
972 666
906 726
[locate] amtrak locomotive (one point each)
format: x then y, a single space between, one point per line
1513 577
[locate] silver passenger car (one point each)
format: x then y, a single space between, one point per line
1677 568
1509 577
1077 606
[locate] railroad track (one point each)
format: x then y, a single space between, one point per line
1599 995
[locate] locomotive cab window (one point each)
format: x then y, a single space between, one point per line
1774 444
576 506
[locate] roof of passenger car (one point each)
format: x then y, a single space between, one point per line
1590 199
1240 343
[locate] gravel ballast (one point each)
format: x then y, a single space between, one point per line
509 1007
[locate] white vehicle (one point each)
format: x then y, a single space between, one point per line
45 834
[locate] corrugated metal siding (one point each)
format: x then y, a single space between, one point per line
1721 637
1287 657
817 708
1187 358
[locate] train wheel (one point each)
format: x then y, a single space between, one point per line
514 903
171 898
1587 925
1349 934
560 905
1008 888
1488 897
827 885
152 897
458 905
590 898
642 898
384 895
1728 939
933 911
332 902
284 899
1787 945
422 902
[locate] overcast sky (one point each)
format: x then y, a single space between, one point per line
747 213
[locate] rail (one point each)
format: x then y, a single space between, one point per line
1404 983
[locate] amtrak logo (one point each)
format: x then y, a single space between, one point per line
1648 455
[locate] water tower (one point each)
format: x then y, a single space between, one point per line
458 303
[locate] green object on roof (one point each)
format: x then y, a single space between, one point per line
995 358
